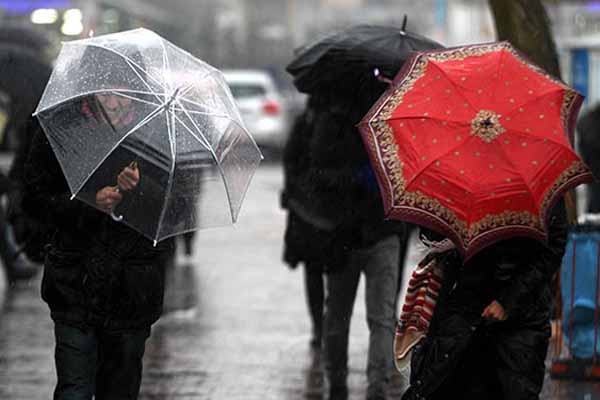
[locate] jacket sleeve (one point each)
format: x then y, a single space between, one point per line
46 195
295 156
537 265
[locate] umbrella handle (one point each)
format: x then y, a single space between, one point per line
381 78
115 217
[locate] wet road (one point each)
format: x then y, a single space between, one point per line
235 323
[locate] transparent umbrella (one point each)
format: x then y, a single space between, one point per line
132 100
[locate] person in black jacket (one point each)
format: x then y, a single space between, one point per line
308 235
343 188
24 76
489 334
15 262
103 281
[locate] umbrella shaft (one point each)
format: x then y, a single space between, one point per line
172 98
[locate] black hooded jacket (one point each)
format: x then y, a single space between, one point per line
309 236
328 172
97 271
340 179
465 357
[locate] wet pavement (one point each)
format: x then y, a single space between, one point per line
235 323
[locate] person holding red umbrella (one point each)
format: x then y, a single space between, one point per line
475 143
489 334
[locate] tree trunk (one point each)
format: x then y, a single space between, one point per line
525 24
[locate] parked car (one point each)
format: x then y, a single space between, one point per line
261 105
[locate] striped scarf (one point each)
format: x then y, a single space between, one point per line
419 302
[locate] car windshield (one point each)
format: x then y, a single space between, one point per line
245 90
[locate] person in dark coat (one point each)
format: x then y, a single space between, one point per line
343 188
490 330
308 235
24 77
15 263
588 128
103 281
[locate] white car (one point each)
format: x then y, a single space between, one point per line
261 105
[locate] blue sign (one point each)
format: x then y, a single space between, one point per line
441 12
20 7
580 70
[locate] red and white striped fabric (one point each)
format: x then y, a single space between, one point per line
419 305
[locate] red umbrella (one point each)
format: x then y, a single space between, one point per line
476 143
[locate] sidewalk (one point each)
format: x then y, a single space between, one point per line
235 327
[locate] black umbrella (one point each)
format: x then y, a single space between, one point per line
24 36
349 56
24 76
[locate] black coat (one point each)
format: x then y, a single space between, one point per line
330 188
464 357
340 179
588 129
309 237
97 271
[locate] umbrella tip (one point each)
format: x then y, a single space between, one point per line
404 20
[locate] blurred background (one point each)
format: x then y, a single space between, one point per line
261 35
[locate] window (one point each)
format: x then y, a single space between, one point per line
242 91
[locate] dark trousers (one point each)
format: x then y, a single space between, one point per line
93 362
314 285
379 263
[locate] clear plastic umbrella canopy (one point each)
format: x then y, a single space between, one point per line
134 99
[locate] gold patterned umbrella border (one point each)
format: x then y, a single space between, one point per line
419 208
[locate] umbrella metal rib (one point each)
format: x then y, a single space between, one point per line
183 97
195 103
217 159
122 94
173 148
153 114
210 114
221 172
203 140
190 58
134 67
100 91
165 64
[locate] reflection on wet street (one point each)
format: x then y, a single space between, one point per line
26 345
235 324
570 390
